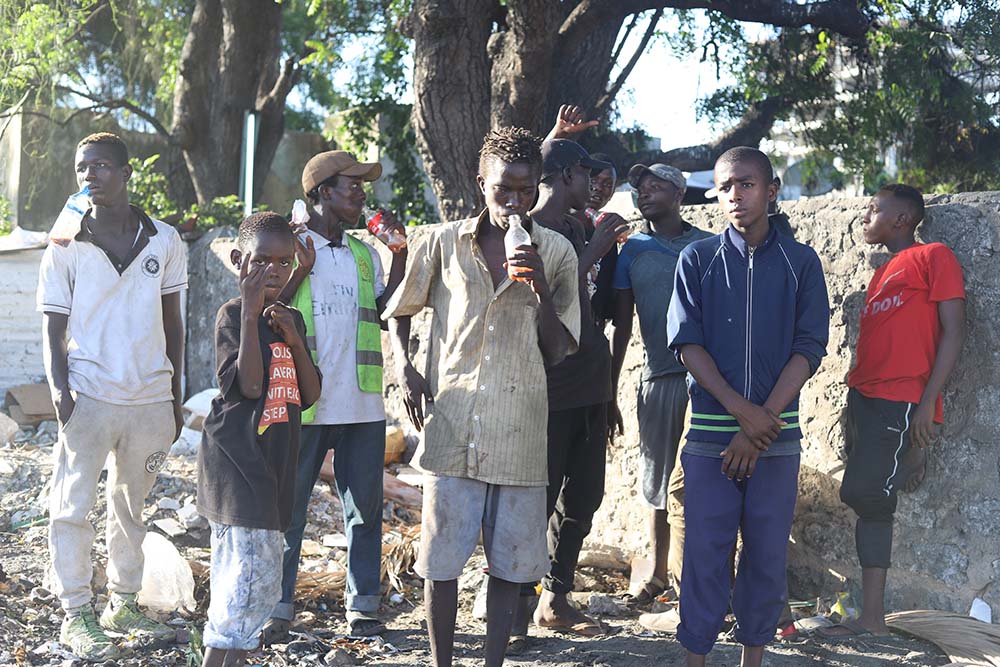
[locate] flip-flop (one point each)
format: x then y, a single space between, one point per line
649 591
855 631
583 628
517 645
362 625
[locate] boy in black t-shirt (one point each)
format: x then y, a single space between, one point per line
249 452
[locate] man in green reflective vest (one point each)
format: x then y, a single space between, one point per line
340 288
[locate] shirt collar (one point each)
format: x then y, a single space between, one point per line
736 240
145 222
319 241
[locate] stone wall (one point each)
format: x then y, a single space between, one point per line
20 324
947 533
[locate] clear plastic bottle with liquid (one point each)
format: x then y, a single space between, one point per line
392 236
67 224
515 237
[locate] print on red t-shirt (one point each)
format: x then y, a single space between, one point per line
900 328
282 387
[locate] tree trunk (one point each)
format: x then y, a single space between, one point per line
229 66
451 90
477 63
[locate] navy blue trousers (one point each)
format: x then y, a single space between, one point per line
715 510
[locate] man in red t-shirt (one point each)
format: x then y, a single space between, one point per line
912 330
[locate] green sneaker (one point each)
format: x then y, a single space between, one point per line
122 615
84 637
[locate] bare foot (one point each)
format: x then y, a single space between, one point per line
554 611
914 469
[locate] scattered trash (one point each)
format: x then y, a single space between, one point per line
603 605
189 517
8 429
604 558
981 610
395 444
664 622
171 527
335 541
187 444
30 404
167 503
813 623
167 579
197 408
965 640
845 607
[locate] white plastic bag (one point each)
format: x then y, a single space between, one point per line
167 582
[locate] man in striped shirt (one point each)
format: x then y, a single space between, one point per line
484 447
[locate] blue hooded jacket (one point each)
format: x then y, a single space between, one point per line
751 311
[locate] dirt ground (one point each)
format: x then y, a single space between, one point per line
29 614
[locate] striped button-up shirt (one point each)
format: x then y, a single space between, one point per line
484 366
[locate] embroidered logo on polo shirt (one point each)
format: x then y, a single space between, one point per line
151 266
155 462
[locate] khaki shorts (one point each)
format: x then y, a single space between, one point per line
511 520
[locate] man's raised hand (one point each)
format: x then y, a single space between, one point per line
570 123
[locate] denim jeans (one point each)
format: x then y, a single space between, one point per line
357 465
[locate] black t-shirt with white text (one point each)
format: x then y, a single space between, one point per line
250 447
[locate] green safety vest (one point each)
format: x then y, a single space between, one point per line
369 355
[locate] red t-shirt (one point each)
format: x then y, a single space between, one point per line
900 328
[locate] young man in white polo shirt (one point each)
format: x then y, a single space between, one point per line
114 288
340 289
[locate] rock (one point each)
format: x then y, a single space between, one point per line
23 435
604 558
335 541
603 605
338 657
197 408
190 518
170 526
187 444
395 444
167 503
300 646
8 429
48 428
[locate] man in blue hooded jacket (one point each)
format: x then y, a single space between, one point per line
749 319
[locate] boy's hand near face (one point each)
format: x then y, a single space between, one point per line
251 288
280 319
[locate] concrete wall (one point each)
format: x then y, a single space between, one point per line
20 325
947 533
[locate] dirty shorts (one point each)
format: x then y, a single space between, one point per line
511 519
661 408
245 585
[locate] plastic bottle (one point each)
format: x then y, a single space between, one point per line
300 215
597 217
67 225
515 237
393 237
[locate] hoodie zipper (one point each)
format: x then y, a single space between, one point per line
748 367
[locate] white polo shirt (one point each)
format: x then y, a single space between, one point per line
334 286
117 347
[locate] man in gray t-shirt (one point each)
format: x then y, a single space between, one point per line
644 278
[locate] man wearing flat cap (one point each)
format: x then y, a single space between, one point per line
339 287
644 279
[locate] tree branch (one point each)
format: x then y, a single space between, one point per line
609 96
624 38
840 16
121 103
755 125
